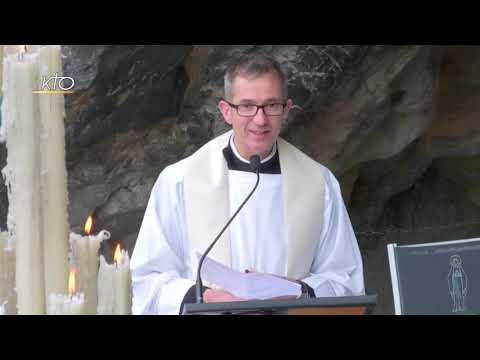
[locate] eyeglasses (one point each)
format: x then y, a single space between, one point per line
272 109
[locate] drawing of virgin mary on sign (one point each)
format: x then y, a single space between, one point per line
457 283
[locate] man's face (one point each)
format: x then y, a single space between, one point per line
255 134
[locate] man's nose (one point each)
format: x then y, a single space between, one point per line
260 118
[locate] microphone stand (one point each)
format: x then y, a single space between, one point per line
255 167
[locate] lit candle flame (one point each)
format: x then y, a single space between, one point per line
88 225
117 258
22 50
71 282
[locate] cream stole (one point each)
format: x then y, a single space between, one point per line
207 203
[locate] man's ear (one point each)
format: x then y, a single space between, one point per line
287 108
225 110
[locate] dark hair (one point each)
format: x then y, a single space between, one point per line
253 64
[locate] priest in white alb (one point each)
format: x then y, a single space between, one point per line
295 225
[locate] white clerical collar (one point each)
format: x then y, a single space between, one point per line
237 154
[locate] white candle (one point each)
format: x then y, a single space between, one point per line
114 285
86 260
8 297
53 174
123 285
63 304
1 67
21 126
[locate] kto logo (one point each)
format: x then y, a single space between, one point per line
56 85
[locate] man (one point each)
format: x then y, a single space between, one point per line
295 225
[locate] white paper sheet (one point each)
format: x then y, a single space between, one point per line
248 286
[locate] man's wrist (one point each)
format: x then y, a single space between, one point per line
307 291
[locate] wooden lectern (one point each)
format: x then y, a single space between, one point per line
351 305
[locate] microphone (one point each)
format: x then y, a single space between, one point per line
254 163
254 167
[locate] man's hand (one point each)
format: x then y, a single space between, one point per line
219 295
